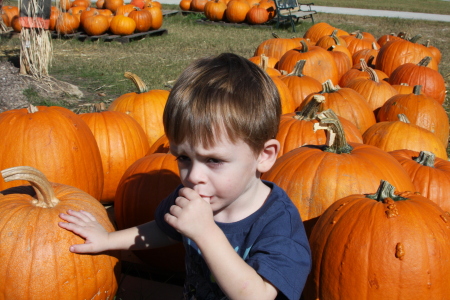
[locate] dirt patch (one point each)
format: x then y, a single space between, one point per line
16 89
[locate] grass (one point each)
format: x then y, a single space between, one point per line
97 67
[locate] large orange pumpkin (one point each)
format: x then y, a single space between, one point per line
143 186
145 106
402 134
54 140
275 47
34 251
387 245
121 141
430 174
316 176
236 11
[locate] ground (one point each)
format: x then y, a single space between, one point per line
14 87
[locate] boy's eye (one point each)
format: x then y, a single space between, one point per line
182 158
214 161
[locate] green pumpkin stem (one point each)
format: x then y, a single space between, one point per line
140 85
336 141
426 158
44 192
385 190
309 112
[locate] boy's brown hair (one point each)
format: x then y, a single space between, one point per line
227 92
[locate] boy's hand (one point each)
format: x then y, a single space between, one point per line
86 226
191 215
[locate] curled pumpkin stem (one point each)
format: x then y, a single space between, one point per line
140 85
336 141
44 192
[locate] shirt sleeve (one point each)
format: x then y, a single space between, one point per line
161 210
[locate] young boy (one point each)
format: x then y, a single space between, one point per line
244 238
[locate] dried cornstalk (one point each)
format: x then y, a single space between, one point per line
36 46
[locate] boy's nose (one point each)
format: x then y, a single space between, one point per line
195 174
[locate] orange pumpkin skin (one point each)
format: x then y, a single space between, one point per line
146 108
430 175
161 145
275 47
67 23
36 261
420 110
359 243
257 15
156 175
157 16
121 141
62 147
122 25
395 135
143 19
236 11
316 176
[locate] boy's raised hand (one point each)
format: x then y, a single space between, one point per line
191 215
86 226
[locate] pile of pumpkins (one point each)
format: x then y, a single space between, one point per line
253 12
363 157
112 16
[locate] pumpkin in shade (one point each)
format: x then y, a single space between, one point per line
287 101
376 91
301 85
161 145
366 54
380 245
8 12
399 52
401 134
143 186
420 110
236 11
15 24
315 176
34 250
342 58
297 129
430 174
57 142
121 141
146 107
432 82
122 25
346 103
54 13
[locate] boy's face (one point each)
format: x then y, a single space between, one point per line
226 174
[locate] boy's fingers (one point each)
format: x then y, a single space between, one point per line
79 214
88 215
82 248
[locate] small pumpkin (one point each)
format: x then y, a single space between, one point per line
122 25
143 19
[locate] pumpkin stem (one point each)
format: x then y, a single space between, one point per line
309 112
336 141
385 190
335 37
275 35
425 61
44 192
328 87
264 62
426 158
298 68
140 85
305 47
417 89
415 38
32 109
403 118
374 46
372 74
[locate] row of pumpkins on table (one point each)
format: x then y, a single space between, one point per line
341 168
109 15
233 11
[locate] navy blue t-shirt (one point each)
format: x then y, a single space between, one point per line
272 241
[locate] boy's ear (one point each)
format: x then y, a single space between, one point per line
268 155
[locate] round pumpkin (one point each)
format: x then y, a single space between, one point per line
67 23
275 47
156 175
36 261
157 16
430 174
146 107
121 141
401 134
380 245
143 19
257 15
96 24
122 25
236 11
215 10
315 176
54 140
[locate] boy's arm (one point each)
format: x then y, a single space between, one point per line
97 239
194 219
